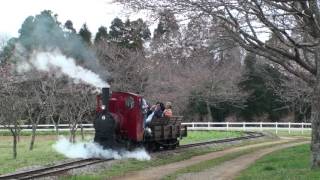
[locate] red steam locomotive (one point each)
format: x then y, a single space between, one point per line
120 123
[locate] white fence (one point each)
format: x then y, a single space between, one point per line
51 127
250 126
245 126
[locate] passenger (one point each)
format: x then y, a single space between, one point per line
151 113
168 111
145 110
151 110
158 113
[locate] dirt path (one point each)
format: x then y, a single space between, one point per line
161 171
230 169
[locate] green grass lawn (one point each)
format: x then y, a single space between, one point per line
292 164
200 136
306 133
43 152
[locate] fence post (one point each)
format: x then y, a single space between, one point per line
227 126
302 126
193 125
276 127
260 126
208 125
289 127
244 126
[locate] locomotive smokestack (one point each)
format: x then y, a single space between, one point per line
105 97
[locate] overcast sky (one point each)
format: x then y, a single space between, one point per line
93 12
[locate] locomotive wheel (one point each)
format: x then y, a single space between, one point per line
152 146
174 144
157 147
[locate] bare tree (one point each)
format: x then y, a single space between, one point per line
36 104
295 25
12 105
128 68
77 107
296 94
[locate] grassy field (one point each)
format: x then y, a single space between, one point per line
200 136
291 163
306 133
43 152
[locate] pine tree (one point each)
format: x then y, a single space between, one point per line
101 35
85 34
262 100
116 30
41 31
69 25
131 34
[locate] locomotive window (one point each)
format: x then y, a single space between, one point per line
130 102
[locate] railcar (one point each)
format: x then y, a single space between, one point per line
120 123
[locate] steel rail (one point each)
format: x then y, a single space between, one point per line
51 170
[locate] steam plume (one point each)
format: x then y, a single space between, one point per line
56 62
93 150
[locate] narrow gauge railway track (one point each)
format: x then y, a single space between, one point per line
60 168
249 135
53 170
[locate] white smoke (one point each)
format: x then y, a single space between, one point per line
58 63
93 150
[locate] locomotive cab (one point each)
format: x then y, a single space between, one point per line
127 119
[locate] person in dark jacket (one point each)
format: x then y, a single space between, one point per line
158 112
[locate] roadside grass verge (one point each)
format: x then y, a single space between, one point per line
42 154
126 166
201 136
306 133
291 163
202 166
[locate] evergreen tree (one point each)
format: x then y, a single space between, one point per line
168 27
159 31
85 34
129 35
41 31
7 51
116 30
196 105
69 25
45 32
101 35
139 32
262 100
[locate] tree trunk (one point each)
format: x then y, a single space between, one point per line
210 119
14 147
72 135
82 135
315 118
33 136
